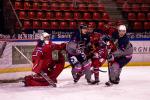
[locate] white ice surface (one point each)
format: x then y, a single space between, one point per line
134 85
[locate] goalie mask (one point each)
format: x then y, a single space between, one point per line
45 36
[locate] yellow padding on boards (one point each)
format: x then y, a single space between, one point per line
24 69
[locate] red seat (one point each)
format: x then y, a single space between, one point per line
147 25
131 1
145 7
45 25
49 15
18 5
63 6
91 7
54 6
101 7
36 25
58 15
77 15
92 25
120 2
131 16
148 16
27 5
54 25
79 1
39 15
139 1
101 26
63 25
135 8
71 7
27 25
119 22
31 15
126 7
73 25
95 1
86 16
22 15
44 6
82 7
105 16
137 26
68 15
96 16
86 1
35 6
43 0
141 16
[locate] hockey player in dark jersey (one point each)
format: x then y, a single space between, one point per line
121 56
76 54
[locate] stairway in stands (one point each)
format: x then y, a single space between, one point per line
112 8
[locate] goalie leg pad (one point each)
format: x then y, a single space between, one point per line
31 81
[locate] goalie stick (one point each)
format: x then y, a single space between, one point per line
108 63
50 81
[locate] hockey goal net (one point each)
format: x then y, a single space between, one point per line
15 57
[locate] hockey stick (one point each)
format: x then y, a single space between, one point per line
99 69
50 81
104 71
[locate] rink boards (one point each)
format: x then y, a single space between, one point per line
13 61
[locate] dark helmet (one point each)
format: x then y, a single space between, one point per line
83 26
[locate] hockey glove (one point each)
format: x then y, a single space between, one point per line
110 57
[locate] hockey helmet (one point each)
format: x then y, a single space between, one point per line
45 34
122 28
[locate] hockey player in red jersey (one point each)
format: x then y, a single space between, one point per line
43 63
99 52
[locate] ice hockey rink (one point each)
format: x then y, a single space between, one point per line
134 85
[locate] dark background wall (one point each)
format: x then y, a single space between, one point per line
1 17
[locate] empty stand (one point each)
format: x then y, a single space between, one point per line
63 25
105 16
18 5
22 15
27 6
86 16
45 6
54 25
96 16
35 6
45 25
137 26
68 16
27 25
141 17
73 25
147 25
131 16
36 25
